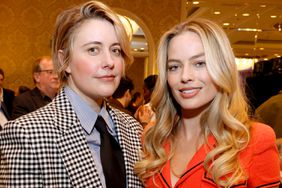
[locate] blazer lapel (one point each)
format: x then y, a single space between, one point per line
73 146
129 140
4 109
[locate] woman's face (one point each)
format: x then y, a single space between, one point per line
187 74
97 63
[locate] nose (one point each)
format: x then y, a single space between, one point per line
108 61
187 74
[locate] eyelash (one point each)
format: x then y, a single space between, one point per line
196 64
200 63
95 50
117 51
172 67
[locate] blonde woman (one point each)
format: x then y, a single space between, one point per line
203 136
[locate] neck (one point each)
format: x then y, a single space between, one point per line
190 128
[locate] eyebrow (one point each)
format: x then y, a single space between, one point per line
100 43
191 58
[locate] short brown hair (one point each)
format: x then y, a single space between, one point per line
69 20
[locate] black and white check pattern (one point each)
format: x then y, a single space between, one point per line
47 148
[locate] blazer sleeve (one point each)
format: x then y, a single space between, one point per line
19 165
265 164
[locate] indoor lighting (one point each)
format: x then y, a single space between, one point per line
249 29
226 24
196 2
245 63
246 14
216 12
262 6
273 16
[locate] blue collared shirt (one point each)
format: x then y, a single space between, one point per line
87 117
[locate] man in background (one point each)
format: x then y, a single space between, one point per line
122 96
46 87
270 113
6 97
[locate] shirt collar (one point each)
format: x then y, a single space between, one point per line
86 115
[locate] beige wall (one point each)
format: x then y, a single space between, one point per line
26 28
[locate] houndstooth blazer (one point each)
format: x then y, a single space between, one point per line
48 148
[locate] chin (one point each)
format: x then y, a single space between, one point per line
107 93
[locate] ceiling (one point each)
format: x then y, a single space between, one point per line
265 43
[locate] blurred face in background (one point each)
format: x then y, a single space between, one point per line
96 66
46 79
146 94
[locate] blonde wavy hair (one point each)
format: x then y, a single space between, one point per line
70 20
226 119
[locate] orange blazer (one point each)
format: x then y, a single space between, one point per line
260 160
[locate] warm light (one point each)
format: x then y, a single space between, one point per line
246 14
261 48
249 29
216 12
226 24
196 2
262 6
273 16
245 63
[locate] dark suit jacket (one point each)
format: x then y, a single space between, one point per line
8 98
28 102
48 148
115 103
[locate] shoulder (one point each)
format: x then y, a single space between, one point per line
260 158
24 95
261 133
262 138
8 91
272 101
124 120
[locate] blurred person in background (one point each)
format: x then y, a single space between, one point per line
270 113
144 114
47 85
6 96
136 101
22 89
122 96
